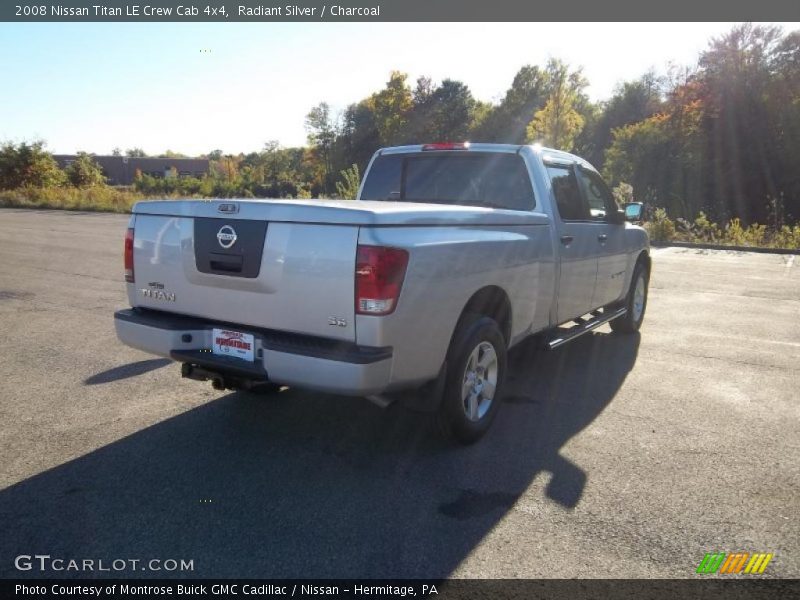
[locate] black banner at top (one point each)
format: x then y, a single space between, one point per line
66 11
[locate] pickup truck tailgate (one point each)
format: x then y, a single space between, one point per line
283 275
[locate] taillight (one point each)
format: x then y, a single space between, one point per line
379 277
447 146
129 256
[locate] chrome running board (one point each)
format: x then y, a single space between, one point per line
585 326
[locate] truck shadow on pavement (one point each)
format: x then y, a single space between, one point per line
129 370
307 485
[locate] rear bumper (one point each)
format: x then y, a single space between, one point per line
286 358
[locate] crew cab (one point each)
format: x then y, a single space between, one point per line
451 255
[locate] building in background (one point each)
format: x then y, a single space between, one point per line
122 170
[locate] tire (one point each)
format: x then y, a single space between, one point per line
635 302
476 361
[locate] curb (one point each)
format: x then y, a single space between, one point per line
721 247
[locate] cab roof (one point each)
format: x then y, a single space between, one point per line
547 154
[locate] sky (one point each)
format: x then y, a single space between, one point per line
193 88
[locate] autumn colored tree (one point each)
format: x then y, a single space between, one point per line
559 122
726 138
28 164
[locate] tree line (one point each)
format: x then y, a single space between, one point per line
721 137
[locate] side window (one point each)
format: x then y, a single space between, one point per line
599 197
568 195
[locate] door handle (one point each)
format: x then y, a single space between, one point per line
602 238
225 262
566 239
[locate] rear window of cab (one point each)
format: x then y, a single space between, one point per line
490 179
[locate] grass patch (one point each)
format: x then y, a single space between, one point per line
100 198
703 231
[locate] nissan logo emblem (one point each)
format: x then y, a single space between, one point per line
226 236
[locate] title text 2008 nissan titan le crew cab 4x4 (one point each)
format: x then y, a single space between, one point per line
452 254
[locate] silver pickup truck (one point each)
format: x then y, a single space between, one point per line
452 254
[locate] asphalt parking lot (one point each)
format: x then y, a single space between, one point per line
616 456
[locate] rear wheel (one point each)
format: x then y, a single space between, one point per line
476 367
635 302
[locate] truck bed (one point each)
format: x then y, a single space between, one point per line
342 212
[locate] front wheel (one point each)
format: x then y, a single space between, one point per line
635 302
476 367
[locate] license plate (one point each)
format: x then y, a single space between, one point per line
233 344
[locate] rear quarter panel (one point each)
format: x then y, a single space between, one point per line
447 265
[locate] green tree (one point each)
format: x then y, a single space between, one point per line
558 123
508 121
392 107
359 137
85 172
453 111
321 128
749 88
347 188
638 155
423 90
632 101
135 153
28 164
275 172
662 158
444 113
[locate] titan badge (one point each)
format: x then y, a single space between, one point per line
156 292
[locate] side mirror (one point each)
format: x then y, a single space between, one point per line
616 217
633 211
